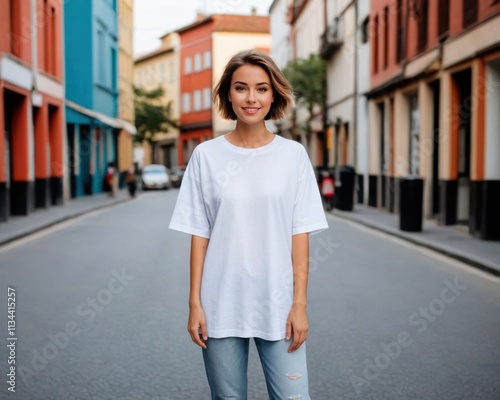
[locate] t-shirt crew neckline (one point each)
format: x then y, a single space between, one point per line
248 150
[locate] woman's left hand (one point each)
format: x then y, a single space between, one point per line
297 324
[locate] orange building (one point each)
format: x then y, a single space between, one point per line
206 46
31 106
433 108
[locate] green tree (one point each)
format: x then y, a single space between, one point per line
151 116
308 79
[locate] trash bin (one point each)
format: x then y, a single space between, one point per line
411 193
344 188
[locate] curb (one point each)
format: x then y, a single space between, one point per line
59 220
472 261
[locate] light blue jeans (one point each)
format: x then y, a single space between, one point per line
226 363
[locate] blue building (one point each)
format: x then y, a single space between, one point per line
91 68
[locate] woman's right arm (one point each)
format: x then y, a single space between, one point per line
196 314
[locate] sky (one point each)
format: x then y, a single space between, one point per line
154 18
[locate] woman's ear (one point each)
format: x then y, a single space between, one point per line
229 97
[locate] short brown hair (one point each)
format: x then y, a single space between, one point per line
282 90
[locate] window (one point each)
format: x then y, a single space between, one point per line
186 102
443 17
375 44
49 38
422 24
197 62
386 37
188 65
161 76
114 70
101 61
150 75
365 33
469 12
197 100
207 59
207 99
400 32
15 27
171 71
414 135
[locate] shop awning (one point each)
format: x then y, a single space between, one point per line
113 122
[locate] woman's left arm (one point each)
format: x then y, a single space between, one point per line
297 319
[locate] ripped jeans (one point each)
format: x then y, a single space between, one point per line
226 363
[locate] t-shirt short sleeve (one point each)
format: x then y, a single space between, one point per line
308 212
189 214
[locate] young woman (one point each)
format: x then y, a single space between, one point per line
249 199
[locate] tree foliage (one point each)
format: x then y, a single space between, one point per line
308 79
151 116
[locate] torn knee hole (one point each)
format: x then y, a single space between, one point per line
294 376
296 398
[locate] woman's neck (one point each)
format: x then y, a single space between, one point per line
250 136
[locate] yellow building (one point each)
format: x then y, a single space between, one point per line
161 68
126 80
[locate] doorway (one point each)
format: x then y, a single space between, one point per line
435 151
463 83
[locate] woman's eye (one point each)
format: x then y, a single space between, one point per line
239 88
263 90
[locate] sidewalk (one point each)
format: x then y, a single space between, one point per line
450 241
20 226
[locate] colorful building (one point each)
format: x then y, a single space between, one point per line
126 83
160 68
31 106
205 48
93 129
433 108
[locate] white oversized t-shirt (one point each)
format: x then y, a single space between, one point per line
249 203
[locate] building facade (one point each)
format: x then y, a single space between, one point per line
308 21
339 48
31 106
206 47
160 68
281 53
93 126
125 83
433 108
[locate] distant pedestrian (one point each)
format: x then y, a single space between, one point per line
110 180
327 185
250 199
131 181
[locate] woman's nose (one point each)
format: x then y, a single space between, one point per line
251 96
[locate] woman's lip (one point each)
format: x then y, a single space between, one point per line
251 110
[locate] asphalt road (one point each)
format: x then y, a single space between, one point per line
101 310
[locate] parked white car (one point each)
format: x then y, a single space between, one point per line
155 176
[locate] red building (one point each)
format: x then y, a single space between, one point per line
433 111
31 106
206 46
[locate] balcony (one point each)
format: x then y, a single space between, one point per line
332 38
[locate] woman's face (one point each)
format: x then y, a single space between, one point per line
251 93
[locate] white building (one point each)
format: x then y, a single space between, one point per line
280 52
308 22
345 47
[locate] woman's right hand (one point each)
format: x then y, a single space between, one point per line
196 322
